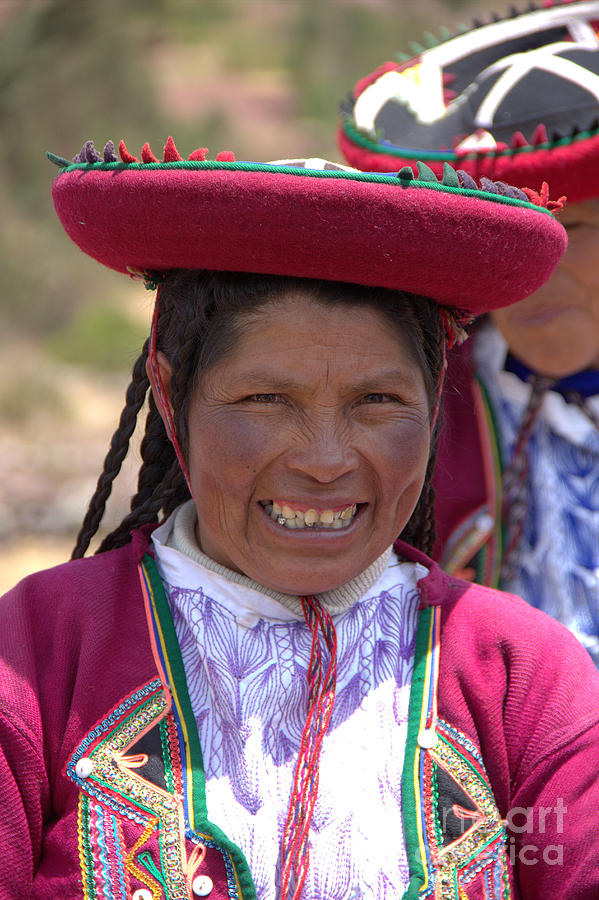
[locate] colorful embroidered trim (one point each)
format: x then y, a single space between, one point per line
116 786
439 866
480 850
193 793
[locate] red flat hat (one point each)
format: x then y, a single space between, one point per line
476 247
515 100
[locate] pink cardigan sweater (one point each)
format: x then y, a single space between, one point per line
504 723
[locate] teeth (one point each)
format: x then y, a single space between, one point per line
287 517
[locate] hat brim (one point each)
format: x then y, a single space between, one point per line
470 249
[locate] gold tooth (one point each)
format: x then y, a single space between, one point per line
348 513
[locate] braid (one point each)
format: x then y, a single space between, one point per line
420 530
157 456
514 482
161 485
134 400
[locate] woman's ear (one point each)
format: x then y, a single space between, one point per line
161 392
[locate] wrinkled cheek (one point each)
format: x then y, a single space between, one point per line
409 462
227 452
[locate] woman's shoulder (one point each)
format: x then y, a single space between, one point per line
483 619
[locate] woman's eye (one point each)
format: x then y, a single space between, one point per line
378 398
263 398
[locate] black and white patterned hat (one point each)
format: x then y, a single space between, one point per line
516 99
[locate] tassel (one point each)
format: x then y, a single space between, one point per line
171 154
146 154
125 155
198 155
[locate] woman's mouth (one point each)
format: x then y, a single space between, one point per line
288 516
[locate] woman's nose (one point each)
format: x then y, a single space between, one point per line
325 455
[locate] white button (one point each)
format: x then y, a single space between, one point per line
142 894
427 738
84 767
484 523
202 885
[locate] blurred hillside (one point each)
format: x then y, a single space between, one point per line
263 78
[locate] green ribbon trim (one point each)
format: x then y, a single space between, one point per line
340 175
410 784
363 140
201 825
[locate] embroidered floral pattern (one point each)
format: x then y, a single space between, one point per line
248 691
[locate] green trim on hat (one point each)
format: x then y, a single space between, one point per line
357 136
405 178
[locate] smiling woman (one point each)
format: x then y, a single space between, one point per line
255 688
294 435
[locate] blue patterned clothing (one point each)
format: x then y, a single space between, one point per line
558 565
246 656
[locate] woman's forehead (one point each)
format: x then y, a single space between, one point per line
304 315
312 330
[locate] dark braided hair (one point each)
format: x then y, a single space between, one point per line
201 316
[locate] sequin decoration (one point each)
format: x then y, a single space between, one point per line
479 852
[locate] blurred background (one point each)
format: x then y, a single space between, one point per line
263 78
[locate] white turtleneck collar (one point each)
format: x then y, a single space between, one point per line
175 542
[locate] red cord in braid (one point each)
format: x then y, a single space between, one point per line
515 477
295 853
453 331
162 400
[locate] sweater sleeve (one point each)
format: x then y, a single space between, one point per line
527 691
23 798
553 817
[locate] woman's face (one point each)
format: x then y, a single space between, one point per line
318 415
556 330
